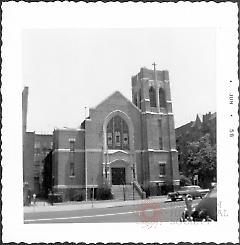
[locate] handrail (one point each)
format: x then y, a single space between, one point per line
139 189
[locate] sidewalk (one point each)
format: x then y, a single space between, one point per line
67 206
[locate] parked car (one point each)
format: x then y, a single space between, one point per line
55 197
206 209
193 190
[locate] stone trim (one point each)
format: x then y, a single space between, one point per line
151 150
150 80
69 129
94 150
157 113
77 150
92 186
68 186
111 151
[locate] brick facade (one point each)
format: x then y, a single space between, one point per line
137 137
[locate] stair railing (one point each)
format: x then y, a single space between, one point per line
139 189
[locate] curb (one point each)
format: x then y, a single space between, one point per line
84 206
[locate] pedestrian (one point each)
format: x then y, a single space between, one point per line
34 198
28 200
51 197
187 214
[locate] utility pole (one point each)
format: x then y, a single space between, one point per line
85 108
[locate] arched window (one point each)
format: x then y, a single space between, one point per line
140 98
117 134
152 97
162 98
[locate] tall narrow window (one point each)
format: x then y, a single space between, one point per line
37 147
125 139
160 143
72 144
160 134
140 98
162 169
135 99
162 98
109 139
72 170
152 97
117 138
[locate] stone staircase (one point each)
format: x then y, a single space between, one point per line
118 192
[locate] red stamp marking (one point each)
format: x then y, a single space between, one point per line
149 212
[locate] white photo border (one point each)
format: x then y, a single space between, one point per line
19 15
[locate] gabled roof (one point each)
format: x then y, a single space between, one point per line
116 94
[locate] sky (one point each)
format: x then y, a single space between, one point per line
69 69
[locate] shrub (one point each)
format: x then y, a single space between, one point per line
104 193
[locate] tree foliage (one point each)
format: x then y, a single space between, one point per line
198 158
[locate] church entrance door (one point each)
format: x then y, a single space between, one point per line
118 176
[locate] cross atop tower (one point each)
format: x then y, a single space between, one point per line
154 67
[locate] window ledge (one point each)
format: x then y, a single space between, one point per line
162 175
72 176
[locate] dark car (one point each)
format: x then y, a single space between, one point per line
193 190
206 209
55 197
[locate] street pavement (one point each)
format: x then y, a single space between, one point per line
149 210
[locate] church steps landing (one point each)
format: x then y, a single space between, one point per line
118 192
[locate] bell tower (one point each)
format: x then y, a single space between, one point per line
151 94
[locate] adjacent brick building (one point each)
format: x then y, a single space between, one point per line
121 142
35 149
194 130
42 146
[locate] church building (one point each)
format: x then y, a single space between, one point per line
121 142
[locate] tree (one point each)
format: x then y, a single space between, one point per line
184 180
200 159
